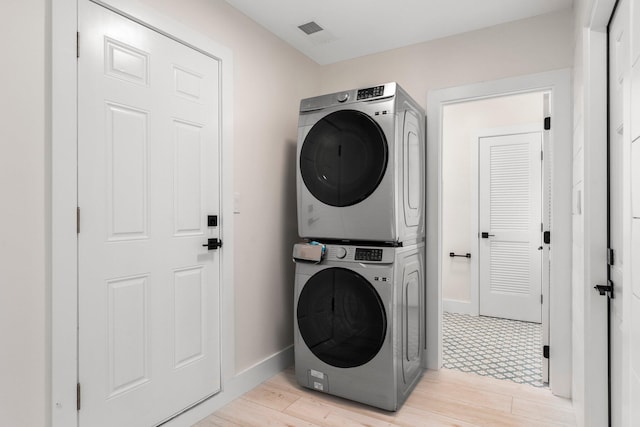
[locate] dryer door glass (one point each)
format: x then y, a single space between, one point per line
341 318
343 158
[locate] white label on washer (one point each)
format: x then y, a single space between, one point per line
318 386
316 374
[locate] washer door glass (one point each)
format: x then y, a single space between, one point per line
343 158
341 318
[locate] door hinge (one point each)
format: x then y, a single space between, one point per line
541 155
78 44
545 351
547 237
610 256
605 289
541 299
547 123
78 396
78 221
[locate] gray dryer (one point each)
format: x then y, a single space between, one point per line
360 166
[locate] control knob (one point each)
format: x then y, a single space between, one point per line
341 253
343 97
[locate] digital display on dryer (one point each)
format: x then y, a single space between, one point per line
370 92
368 254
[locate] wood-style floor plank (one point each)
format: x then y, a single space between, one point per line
495 385
319 411
443 398
215 421
468 394
246 413
272 397
540 411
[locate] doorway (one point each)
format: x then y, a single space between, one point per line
557 84
492 263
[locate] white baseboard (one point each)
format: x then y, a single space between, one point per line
459 307
236 387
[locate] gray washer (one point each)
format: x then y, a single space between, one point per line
359 323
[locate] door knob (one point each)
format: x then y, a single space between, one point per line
213 244
486 235
605 289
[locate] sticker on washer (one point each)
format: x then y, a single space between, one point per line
316 374
318 386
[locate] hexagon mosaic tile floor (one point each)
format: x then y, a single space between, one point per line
489 346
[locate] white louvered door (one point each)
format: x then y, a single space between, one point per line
148 176
510 216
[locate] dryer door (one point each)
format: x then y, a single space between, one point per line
341 318
343 158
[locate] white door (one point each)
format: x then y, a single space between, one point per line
624 213
510 218
148 177
631 345
618 81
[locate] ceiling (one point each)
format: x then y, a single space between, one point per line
353 28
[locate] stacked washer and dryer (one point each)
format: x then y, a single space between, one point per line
359 319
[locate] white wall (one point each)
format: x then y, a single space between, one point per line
459 125
528 46
23 219
577 308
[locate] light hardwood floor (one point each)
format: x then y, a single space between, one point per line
442 398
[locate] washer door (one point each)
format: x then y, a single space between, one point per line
343 158
341 318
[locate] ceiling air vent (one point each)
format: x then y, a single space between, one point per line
310 28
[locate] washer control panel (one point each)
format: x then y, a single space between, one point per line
360 254
368 254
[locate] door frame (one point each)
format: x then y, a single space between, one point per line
558 83
590 368
475 213
64 184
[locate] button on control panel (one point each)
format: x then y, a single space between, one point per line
367 254
370 92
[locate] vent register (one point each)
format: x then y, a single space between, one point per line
310 28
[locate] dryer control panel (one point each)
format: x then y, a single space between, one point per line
360 254
370 92
374 93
